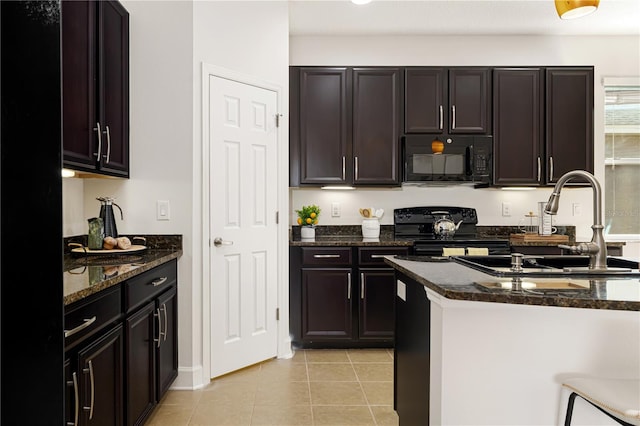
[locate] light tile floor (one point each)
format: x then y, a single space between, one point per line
315 387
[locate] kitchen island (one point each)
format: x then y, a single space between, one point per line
466 355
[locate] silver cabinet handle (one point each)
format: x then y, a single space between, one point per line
166 328
93 389
159 281
441 118
550 169
325 256
87 322
97 128
344 168
220 242
453 118
362 285
378 256
77 402
356 168
539 168
348 285
108 143
160 334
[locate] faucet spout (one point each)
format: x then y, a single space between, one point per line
597 248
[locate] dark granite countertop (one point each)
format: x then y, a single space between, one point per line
457 282
347 235
87 275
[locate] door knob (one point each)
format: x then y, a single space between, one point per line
220 242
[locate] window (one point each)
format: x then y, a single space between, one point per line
622 160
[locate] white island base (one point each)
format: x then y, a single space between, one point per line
503 364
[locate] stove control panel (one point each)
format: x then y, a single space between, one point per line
428 215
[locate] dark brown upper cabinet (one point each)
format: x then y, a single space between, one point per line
518 95
448 100
569 121
345 126
95 90
543 124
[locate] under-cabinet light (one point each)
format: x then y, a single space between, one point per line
68 173
338 187
518 188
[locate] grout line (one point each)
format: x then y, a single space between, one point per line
373 416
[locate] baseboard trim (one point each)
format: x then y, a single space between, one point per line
189 378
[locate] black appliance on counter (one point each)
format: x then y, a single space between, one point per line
417 224
434 159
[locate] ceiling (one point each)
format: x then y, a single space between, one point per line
458 17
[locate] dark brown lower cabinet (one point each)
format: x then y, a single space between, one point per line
121 350
326 304
140 332
94 374
337 302
377 291
151 358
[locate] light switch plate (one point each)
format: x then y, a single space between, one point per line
163 210
335 209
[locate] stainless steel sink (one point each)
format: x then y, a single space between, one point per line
549 266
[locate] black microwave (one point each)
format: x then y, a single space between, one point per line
448 159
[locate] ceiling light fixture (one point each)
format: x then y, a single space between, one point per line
571 9
360 2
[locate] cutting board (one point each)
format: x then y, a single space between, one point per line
536 238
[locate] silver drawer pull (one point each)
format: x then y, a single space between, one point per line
159 281
87 322
378 256
326 256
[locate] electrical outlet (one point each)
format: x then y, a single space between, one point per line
335 209
506 209
577 209
163 210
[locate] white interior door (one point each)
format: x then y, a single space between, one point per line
243 202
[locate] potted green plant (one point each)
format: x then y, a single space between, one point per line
308 219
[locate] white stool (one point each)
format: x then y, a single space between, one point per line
617 398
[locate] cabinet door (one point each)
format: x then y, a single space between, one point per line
167 360
79 74
114 87
140 333
326 304
323 126
469 100
376 313
102 380
424 96
376 125
569 121
517 129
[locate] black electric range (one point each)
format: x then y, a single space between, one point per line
416 224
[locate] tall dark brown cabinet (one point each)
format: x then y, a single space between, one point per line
95 61
31 292
448 100
518 128
345 126
568 120
543 123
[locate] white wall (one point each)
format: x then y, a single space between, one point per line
611 56
249 39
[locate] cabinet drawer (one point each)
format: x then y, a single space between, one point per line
326 256
145 286
371 256
92 315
